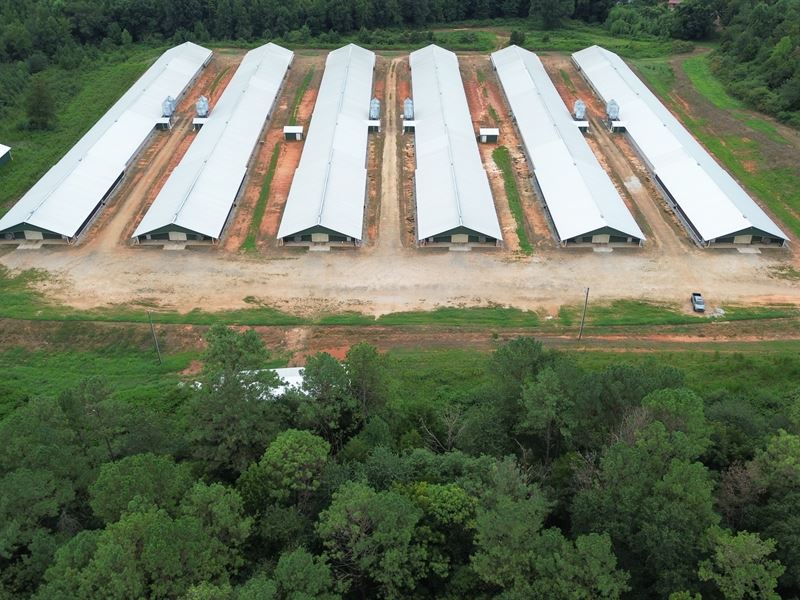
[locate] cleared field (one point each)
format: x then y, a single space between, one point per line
277 285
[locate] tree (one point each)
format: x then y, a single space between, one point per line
367 373
146 554
740 567
446 526
145 477
551 12
300 575
40 105
682 412
43 466
769 508
517 38
288 473
547 411
515 554
656 505
694 19
368 539
259 587
231 421
327 405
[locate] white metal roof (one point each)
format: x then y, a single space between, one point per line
291 379
200 192
716 205
4 150
65 197
330 183
452 189
579 194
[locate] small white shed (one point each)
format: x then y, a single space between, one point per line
488 135
293 132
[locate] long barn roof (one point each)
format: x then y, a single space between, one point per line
64 198
200 192
452 189
579 194
710 198
330 183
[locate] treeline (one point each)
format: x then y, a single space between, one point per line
546 481
759 57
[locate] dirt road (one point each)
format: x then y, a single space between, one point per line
389 239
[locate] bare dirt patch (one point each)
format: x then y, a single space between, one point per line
406 148
489 108
375 151
288 158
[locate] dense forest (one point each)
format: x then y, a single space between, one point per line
547 480
758 57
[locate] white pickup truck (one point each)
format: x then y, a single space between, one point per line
698 304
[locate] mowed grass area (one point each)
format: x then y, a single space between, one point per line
631 313
82 97
743 156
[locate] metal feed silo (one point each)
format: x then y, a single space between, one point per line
202 107
168 107
612 110
579 110
375 109
408 109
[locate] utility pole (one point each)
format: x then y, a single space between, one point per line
583 318
155 339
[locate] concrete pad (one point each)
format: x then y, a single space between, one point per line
602 249
460 249
633 184
319 248
30 245
175 246
749 250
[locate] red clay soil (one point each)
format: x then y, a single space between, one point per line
237 230
479 103
375 149
407 162
288 157
481 95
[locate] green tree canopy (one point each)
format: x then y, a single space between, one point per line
288 473
740 566
146 477
368 538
